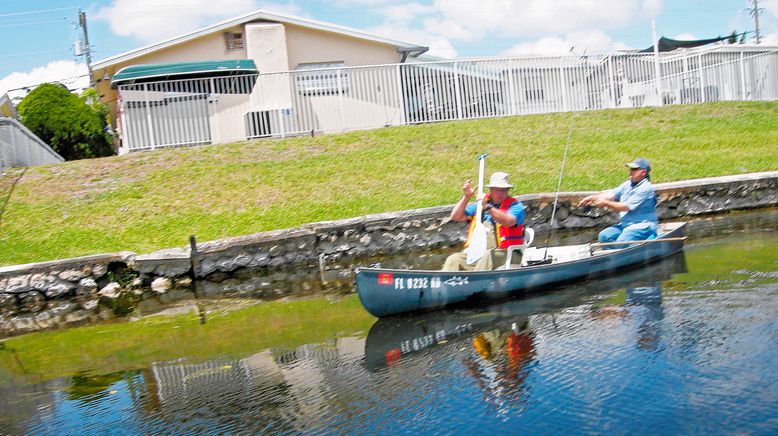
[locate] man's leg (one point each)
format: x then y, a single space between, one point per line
457 262
610 234
636 232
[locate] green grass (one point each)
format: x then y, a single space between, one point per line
146 201
108 348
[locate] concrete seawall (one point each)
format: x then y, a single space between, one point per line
312 258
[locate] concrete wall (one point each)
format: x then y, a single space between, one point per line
315 257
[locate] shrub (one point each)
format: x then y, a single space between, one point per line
66 122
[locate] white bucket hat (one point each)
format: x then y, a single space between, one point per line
499 180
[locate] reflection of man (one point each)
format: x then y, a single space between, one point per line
503 216
644 305
497 365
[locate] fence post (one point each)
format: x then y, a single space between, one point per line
457 90
702 79
686 82
563 86
611 84
123 127
214 100
148 115
4 146
742 78
340 102
401 95
657 67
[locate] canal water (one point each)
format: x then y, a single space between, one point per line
686 345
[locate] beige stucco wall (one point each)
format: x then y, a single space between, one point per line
266 45
308 45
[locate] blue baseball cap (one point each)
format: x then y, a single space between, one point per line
639 163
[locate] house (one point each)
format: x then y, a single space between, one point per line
227 56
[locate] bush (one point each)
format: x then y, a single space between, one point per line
66 122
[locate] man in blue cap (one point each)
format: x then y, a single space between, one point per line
635 201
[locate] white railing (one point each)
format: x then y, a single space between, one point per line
19 147
223 109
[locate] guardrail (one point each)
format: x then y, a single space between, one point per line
19 147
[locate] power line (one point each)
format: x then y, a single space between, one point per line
29 23
36 12
27 87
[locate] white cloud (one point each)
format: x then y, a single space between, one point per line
651 8
685 37
348 3
69 73
474 20
153 20
770 39
576 43
406 11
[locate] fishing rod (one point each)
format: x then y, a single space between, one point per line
546 259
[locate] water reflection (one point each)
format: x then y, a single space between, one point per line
657 347
500 364
394 338
642 304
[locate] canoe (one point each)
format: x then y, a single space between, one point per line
385 292
397 338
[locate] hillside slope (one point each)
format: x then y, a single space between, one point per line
146 201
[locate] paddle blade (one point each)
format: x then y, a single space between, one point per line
477 246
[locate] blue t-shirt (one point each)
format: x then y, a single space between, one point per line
641 201
516 209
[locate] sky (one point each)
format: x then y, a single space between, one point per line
39 35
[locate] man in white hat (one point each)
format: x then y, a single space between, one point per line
503 218
635 201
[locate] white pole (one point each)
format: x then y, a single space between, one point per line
742 79
657 70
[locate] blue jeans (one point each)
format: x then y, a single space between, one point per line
632 232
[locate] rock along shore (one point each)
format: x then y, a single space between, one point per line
315 257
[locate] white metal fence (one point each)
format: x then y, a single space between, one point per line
19 147
214 110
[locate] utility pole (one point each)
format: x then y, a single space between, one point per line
755 11
87 50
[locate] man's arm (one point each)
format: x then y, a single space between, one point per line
595 199
612 204
505 218
458 212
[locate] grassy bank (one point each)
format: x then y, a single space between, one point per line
146 201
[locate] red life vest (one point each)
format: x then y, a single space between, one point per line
506 236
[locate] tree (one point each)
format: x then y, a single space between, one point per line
66 122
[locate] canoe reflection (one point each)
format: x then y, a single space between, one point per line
505 327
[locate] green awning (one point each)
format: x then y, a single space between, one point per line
182 70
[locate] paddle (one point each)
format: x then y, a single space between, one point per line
477 246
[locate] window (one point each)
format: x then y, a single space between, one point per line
234 40
321 78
